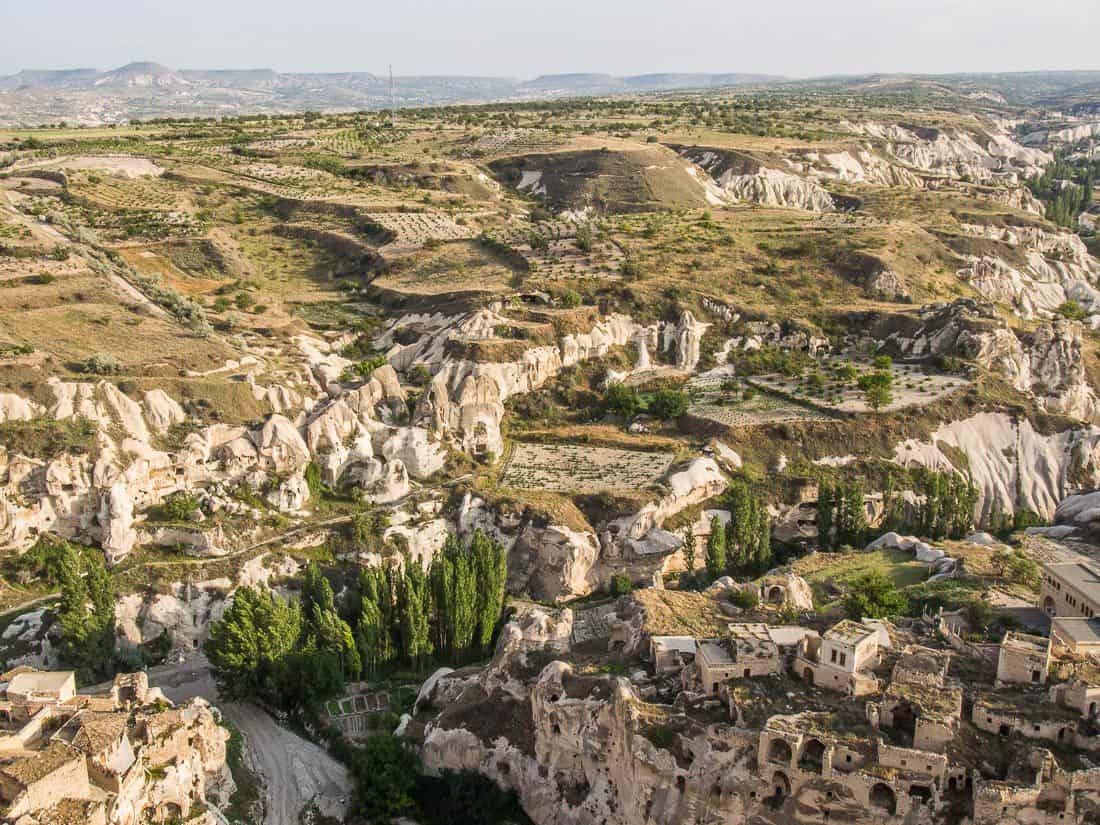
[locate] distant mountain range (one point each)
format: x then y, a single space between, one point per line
143 90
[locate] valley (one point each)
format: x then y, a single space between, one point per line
606 451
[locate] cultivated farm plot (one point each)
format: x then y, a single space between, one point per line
762 408
580 468
516 140
146 194
562 257
912 387
414 229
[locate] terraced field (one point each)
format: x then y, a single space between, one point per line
579 468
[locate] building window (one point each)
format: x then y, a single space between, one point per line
833 657
843 658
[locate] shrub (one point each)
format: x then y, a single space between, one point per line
621 584
419 376
878 389
745 599
363 369
669 404
622 400
874 596
569 298
101 364
179 506
882 362
1072 310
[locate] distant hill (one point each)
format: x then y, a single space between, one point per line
145 89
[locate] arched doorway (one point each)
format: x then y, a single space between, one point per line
813 756
781 789
882 797
1092 709
1048 606
776 595
779 752
808 676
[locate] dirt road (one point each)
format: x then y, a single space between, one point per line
294 771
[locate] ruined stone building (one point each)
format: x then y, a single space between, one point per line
117 758
732 729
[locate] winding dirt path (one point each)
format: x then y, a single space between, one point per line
294 772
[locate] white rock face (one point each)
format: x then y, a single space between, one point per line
986 154
1058 268
922 551
116 518
16 408
683 340
1081 510
162 411
1048 363
1013 466
738 177
553 562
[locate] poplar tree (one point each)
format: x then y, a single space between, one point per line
716 548
413 601
826 516
490 563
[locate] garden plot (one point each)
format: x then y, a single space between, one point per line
552 251
734 410
295 181
912 387
413 229
580 468
145 194
516 140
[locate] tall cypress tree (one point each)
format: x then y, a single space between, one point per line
716 548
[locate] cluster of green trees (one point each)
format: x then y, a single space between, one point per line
390 785
295 653
873 595
451 611
627 402
289 653
1066 188
841 514
86 610
743 547
943 507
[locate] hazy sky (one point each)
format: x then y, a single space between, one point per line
524 38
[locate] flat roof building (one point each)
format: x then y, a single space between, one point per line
1071 588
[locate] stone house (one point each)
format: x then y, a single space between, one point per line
884 780
671 654
1023 660
918 702
841 659
39 780
1070 588
27 691
748 651
116 758
1077 634
1026 714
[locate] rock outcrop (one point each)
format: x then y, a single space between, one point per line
1013 466
1047 363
